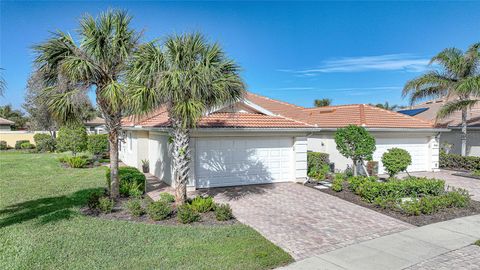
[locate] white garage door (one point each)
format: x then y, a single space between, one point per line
417 147
243 161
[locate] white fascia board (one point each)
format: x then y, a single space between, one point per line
247 103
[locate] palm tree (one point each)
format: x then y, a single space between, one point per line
458 77
322 102
188 76
99 61
386 106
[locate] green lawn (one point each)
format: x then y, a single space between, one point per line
41 228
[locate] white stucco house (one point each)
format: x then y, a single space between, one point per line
261 140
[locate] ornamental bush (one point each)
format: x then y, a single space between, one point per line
223 212
187 214
105 205
453 161
44 142
134 207
356 143
97 144
159 210
132 181
316 160
18 144
3 145
76 162
337 183
72 138
396 160
202 204
165 196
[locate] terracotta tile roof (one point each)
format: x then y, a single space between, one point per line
341 116
454 120
292 116
4 121
225 119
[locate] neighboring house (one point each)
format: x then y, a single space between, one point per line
6 124
451 140
96 126
261 140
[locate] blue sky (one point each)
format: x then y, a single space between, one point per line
351 52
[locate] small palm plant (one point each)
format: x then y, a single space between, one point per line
458 77
98 62
188 76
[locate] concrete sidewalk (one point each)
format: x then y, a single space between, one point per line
400 250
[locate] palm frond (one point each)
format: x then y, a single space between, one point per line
454 106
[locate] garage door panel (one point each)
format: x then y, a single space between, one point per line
240 161
417 147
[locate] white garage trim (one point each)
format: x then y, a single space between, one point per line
243 161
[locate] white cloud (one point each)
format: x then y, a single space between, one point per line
387 62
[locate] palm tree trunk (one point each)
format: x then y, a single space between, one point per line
464 132
181 160
114 183
355 168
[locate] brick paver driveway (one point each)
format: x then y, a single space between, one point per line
470 184
304 221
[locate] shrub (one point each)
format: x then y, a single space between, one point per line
337 184
187 214
93 200
135 207
319 174
72 138
396 160
44 142
316 160
223 212
410 187
76 162
27 145
428 205
167 197
355 182
132 181
97 144
18 144
159 210
105 205
202 204
453 161
3 145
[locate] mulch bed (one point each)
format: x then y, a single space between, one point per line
121 213
421 220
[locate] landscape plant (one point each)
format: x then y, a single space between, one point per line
396 160
159 210
456 76
132 181
203 204
187 214
3 145
337 183
18 144
223 212
76 162
98 62
106 204
187 76
134 207
356 143
167 197
27 145
97 144
73 138
44 142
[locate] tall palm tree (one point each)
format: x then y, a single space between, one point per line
458 78
188 76
322 102
99 61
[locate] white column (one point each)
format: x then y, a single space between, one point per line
300 156
434 153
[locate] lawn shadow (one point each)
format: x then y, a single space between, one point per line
47 210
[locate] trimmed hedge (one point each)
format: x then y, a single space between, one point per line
44 142
18 144
132 181
3 145
454 161
316 160
396 160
